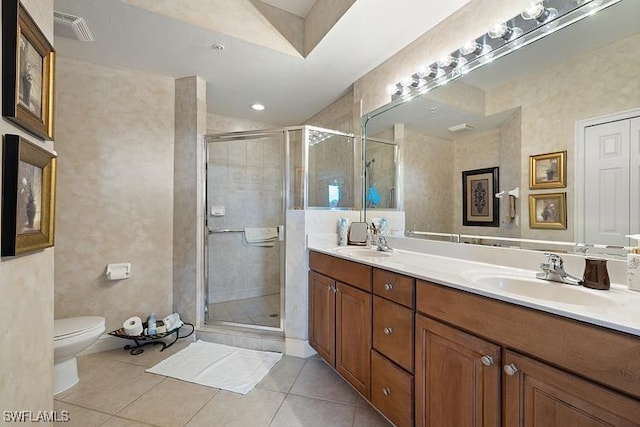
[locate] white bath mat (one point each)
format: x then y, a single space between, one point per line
217 365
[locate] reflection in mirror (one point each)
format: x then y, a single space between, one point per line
380 171
331 169
542 98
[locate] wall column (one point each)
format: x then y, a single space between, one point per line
188 198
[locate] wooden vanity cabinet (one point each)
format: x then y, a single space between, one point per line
536 394
340 317
574 374
457 377
322 313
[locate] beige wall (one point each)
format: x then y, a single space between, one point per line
586 86
428 173
217 123
337 116
188 195
26 306
115 191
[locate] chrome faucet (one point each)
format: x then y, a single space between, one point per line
553 270
382 244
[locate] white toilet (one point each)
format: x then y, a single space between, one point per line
70 337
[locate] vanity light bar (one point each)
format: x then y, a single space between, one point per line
537 20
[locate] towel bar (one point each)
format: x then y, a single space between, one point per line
226 230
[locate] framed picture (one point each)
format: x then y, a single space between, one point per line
28 197
479 203
548 170
27 72
548 210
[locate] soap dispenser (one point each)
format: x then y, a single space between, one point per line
633 265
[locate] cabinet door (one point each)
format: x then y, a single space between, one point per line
353 336
457 377
535 394
322 310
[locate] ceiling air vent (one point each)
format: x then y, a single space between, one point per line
461 127
71 26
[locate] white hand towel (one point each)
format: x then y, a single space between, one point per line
265 236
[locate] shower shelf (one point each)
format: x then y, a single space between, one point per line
142 340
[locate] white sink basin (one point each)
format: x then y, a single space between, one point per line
362 252
517 284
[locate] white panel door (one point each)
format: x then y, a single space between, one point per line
606 198
634 178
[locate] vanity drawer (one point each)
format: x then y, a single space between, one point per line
391 390
395 287
393 331
352 273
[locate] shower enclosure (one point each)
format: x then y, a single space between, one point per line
252 179
381 174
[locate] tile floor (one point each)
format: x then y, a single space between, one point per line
115 390
264 311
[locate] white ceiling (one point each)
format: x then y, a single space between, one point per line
293 88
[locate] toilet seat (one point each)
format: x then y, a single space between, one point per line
74 326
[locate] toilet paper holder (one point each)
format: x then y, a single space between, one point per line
118 271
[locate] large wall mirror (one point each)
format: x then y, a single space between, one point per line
559 119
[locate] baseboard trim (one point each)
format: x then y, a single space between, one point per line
105 343
298 348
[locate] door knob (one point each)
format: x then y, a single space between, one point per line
487 360
388 331
510 369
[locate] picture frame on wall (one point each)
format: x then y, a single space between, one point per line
548 170
480 207
548 211
28 197
28 67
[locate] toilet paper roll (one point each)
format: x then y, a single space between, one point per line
133 326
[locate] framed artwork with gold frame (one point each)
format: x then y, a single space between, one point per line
548 210
27 72
28 197
548 170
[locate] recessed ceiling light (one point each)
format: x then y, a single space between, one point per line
258 107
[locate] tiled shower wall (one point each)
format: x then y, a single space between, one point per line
246 178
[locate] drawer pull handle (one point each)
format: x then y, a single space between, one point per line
388 287
487 360
388 331
332 289
510 369
386 391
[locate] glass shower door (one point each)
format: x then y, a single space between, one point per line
245 218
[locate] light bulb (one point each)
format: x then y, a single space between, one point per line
540 13
471 47
391 90
445 61
504 32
